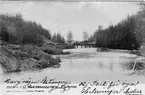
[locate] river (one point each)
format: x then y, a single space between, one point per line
87 64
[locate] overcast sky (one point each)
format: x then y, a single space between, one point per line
75 16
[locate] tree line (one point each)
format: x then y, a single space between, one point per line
14 29
127 34
58 38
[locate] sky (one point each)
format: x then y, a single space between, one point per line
75 16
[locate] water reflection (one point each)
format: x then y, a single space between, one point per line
100 61
87 64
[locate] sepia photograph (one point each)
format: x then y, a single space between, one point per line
72 48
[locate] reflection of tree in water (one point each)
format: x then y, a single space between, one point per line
126 64
129 65
71 63
111 66
101 65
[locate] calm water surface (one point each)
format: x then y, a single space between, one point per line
86 64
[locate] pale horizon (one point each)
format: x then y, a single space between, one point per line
75 16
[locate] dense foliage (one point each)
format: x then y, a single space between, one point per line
58 38
69 37
14 29
128 34
124 35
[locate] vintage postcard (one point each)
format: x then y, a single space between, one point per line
72 47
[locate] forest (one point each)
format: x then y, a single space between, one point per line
25 45
127 34
15 30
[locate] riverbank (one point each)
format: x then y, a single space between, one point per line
86 64
15 58
138 60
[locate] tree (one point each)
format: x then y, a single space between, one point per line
90 39
85 36
21 31
120 36
54 38
19 28
69 37
99 27
140 24
58 38
4 35
93 37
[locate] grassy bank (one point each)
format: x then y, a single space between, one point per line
26 57
53 49
33 53
65 46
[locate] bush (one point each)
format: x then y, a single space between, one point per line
51 49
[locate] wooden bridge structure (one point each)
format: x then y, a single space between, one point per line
84 45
